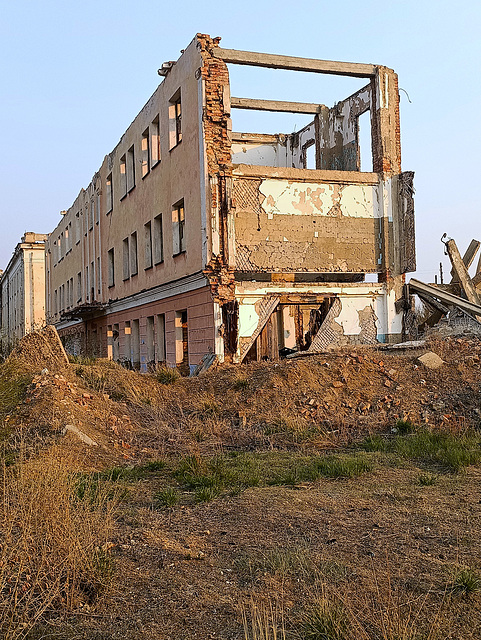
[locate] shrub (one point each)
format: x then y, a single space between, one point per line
466 582
167 375
324 621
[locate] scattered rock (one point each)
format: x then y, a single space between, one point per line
431 360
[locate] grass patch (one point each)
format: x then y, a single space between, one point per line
466 582
238 471
167 375
166 499
324 621
455 453
55 543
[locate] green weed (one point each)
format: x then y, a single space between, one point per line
167 375
167 498
466 582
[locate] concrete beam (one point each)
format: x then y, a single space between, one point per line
274 105
416 286
273 61
462 275
468 257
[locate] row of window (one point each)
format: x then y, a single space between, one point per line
126 347
153 244
150 154
65 241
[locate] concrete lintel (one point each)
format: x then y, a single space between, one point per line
267 138
273 61
275 105
444 296
305 175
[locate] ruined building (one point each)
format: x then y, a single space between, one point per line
192 238
22 290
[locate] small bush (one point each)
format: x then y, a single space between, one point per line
167 375
404 427
466 582
166 498
427 479
240 384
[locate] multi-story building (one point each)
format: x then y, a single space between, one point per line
22 290
191 238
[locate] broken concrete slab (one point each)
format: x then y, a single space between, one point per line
431 360
80 434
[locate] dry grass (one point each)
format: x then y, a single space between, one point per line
55 531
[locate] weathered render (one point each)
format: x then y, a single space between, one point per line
192 238
22 290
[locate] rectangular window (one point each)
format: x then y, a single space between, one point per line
97 217
71 292
154 142
123 177
127 343
99 279
160 355
130 169
110 193
126 259
134 267
67 301
79 287
145 153
55 295
92 214
158 240
111 265
92 282
78 231
136 344
178 228
150 340
87 284
147 245
175 120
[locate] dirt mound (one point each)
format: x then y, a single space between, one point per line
39 350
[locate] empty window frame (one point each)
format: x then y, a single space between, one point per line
126 259
145 153
123 177
134 263
87 283
127 355
158 240
178 228
78 228
71 292
150 339
97 217
130 168
111 267
155 142
92 214
160 343
147 245
79 287
175 120
110 193
92 281
135 344
99 278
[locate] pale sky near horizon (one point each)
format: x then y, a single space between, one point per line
75 74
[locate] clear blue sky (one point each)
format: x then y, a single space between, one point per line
75 74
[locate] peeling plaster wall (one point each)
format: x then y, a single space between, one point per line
272 154
365 312
286 226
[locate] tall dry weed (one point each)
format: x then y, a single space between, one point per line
54 541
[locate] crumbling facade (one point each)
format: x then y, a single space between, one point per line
22 291
192 238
